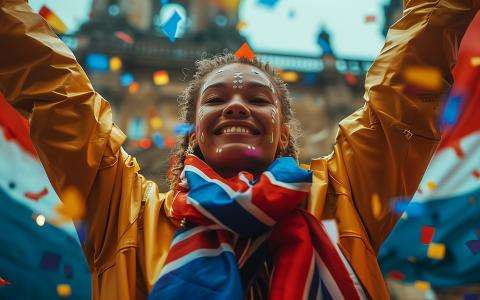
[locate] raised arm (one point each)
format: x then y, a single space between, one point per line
71 126
385 147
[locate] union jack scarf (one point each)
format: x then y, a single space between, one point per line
230 226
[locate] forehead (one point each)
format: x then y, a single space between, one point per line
231 72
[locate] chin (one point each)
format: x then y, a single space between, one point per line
240 157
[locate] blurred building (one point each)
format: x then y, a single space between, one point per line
141 73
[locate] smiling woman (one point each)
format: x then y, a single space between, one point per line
243 117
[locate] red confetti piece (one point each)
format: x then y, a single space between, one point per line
476 174
145 143
36 196
124 37
370 19
4 282
458 149
427 234
396 275
245 52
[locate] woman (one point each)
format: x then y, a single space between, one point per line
242 115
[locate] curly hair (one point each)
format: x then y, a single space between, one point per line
187 104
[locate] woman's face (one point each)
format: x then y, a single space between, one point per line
239 120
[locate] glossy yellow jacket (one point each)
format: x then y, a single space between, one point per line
383 148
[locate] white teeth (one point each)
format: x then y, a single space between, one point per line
236 129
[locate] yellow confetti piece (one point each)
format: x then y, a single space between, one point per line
436 251
64 290
241 25
115 63
156 122
424 77
431 185
376 206
475 61
422 285
71 208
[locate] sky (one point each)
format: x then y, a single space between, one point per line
289 26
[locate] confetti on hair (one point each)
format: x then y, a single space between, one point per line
436 251
425 78
473 246
170 27
35 196
245 52
64 290
427 233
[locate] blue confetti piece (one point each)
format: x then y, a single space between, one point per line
97 62
182 128
50 261
126 79
268 3
170 27
158 140
163 2
413 209
451 111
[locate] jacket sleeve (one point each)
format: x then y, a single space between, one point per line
71 127
384 148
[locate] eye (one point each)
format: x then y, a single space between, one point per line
215 100
260 101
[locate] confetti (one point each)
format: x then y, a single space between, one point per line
4 282
413 209
170 142
134 87
161 77
115 63
158 140
72 206
396 275
245 52
376 206
64 290
424 77
476 174
145 143
156 122
124 37
351 79
268 3
52 19
241 25
422 285
170 27
475 61
37 196
289 76
40 220
451 110
370 19
431 185
50 261
97 62
436 251
427 233
182 128
126 79
474 246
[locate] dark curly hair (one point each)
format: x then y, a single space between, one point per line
187 104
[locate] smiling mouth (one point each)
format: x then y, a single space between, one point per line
236 130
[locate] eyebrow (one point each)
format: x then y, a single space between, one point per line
251 84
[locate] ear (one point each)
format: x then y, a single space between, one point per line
284 137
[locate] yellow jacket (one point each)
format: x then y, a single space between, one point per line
383 148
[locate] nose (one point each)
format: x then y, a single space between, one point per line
236 108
